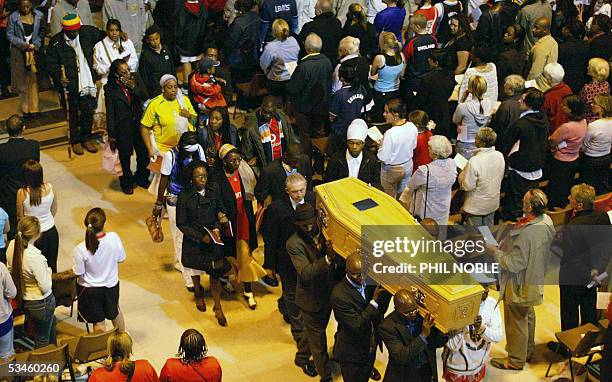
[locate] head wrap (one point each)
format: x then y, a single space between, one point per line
358 129
304 212
225 149
71 22
165 78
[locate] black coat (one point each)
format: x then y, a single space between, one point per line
328 27
404 349
59 53
189 31
272 179
122 116
277 229
228 201
193 213
435 89
358 321
369 170
532 131
574 56
152 66
310 85
510 61
240 47
315 277
367 37
507 113
14 153
494 21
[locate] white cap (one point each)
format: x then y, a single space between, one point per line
358 129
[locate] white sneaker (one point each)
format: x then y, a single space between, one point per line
250 300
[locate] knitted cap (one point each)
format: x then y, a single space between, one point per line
225 149
71 22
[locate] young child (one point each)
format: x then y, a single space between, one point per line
205 89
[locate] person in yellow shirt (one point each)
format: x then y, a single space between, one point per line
168 115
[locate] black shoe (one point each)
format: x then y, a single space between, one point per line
190 289
143 183
270 281
308 368
375 375
129 190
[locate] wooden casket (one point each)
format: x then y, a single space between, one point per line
348 205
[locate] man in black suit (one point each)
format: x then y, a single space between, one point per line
14 154
411 340
271 187
313 259
72 49
354 161
358 310
279 222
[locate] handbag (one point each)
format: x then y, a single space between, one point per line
110 160
155 229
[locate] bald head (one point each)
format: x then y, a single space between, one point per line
541 27
353 263
323 6
313 43
405 302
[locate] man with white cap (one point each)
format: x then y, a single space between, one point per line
354 161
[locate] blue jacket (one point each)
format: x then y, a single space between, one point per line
16 34
276 9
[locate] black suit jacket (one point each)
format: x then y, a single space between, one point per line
369 170
277 228
404 349
122 116
13 154
315 277
228 201
59 53
358 320
272 179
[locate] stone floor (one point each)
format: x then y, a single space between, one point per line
256 345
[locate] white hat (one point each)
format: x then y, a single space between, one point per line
358 129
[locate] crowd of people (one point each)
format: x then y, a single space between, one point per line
382 91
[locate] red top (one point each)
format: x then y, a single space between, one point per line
431 14
242 220
144 372
174 371
275 139
218 141
553 101
421 151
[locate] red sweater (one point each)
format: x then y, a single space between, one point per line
421 151
144 372
553 101
174 371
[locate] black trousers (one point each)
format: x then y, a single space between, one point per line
561 178
515 188
288 285
311 126
80 117
127 144
574 299
357 371
315 324
48 244
5 67
595 171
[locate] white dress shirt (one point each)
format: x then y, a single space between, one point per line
103 58
353 164
398 144
336 83
295 204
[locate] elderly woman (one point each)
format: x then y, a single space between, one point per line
595 160
481 178
277 54
428 194
598 70
23 32
165 119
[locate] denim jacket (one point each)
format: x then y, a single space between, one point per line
16 35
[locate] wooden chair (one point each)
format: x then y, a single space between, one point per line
603 202
51 353
89 347
560 217
580 342
64 289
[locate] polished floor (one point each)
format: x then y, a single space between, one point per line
256 345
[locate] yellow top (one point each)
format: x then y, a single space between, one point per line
161 115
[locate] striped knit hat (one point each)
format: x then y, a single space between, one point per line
71 22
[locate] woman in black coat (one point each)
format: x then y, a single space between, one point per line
200 215
435 90
123 112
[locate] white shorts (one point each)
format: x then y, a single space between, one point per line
193 272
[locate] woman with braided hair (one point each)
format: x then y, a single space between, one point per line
193 365
118 367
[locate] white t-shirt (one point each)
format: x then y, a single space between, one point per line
598 138
100 269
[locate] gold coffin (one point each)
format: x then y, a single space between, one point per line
454 304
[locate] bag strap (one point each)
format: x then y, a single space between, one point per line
200 374
107 54
426 193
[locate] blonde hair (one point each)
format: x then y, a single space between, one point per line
605 102
537 201
600 69
119 347
295 178
477 86
28 229
584 194
280 29
388 41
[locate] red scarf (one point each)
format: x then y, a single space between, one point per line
521 222
192 7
